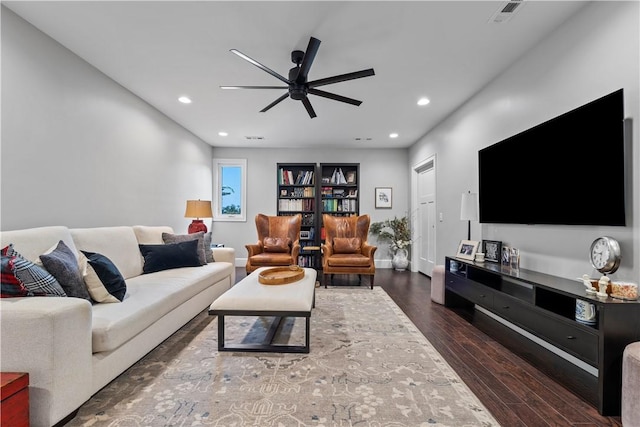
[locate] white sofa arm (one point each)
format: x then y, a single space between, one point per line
226 255
49 338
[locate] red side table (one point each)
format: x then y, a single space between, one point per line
14 392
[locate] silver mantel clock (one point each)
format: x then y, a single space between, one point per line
605 254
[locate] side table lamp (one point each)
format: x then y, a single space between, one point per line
198 209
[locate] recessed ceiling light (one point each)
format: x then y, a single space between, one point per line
423 101
185 100
223 133
393 135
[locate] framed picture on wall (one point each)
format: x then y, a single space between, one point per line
383 198
492 250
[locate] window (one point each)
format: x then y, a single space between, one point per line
230 189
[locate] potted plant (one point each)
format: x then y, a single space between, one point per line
397 232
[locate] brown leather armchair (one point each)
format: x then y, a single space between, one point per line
346 250
278 242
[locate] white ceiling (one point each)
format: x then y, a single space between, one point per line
160 50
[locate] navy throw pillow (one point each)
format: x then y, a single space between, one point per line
108 274
173 255
63 265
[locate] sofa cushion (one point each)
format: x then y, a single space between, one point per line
119 244
151 234
37 280
173 255
149 297
178 238
107 273
346 245
276 244
33 242
348 260
63 265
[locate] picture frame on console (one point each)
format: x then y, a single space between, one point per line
467 249
506 255
492 250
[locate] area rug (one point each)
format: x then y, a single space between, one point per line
368 366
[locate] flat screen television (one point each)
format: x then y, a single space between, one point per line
569 170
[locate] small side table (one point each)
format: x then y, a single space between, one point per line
14 407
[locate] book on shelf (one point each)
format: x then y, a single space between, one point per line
286 177
337 177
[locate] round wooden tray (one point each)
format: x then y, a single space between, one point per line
281 275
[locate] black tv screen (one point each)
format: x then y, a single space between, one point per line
569 170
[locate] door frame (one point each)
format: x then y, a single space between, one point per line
415 203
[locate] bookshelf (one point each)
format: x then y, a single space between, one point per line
339 189
297 195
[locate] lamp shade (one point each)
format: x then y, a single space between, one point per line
469 207
198 209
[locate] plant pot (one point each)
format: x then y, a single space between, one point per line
400 261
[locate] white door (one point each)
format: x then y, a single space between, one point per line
426 218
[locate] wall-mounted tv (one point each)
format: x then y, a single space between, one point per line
569 170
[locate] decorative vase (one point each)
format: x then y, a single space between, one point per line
400 260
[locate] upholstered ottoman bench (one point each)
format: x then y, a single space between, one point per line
249 297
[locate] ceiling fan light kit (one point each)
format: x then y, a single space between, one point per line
298 88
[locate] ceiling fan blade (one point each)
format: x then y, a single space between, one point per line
254 87
259 65
335 97
309 108
274 103
309 56
342 78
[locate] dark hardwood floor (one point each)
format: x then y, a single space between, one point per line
515 392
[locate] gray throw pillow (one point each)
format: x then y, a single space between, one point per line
179 238
208 253
63 265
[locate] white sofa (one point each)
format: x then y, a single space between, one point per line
71 348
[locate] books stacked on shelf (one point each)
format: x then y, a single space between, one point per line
293 205
298 192
339 205
306 261
286 177
331 192
337 177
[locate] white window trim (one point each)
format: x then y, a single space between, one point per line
217 196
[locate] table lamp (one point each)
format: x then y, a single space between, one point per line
198 209
469 210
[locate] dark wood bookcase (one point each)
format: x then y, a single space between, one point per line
297 194
543 306
339 190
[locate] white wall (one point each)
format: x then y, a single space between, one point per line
80 150
378 168
594 53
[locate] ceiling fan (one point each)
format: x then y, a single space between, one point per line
297 84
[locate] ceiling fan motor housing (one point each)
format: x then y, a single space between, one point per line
296 91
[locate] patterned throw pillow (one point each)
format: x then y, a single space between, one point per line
178 238
10 286
37 280
107 273
63 265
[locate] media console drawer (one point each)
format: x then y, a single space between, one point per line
470 290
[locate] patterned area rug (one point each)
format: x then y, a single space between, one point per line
368 366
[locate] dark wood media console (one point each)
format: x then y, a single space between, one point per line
544 306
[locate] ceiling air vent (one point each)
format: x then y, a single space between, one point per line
506 11
254 137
